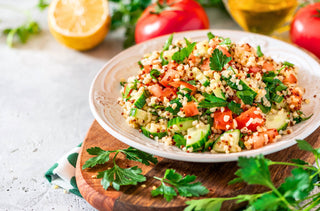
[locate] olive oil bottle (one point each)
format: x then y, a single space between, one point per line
262 16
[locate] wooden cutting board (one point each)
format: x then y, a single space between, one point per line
215 176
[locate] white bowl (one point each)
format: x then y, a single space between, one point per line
105 91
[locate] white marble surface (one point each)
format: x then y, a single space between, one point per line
44 109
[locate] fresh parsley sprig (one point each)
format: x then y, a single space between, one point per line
218 60
117 176
184 185
290 195
184 53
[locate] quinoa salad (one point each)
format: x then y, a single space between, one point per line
212 96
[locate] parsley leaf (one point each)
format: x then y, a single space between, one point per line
218 60
168 43
177 108
154 73
212 101
117 176
183 53
259 53
289 64
184 185
247 96
226 42
210 35
42 4
23 32
213 204
179 140
235 107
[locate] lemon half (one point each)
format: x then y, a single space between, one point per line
79 24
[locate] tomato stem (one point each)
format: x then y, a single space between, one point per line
160 7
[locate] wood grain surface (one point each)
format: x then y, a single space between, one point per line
215 176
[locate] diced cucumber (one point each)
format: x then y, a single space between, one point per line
127 90
208 145
228 142
218 93
149 134
140 114
179 124
200 76
140 98
278 120
197 137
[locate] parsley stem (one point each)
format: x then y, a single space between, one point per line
275 190
317 172
293 164
315 203
309 197
114 158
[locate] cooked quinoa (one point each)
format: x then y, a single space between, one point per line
213 95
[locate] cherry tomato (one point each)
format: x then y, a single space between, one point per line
305 28
165 17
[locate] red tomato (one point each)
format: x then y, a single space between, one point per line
175 16
224 51
259 139
305 28
252 117
168 77
222 119
272 133
190 109
168 93
156 90
177 84
254 69
291 79
147 68
268 66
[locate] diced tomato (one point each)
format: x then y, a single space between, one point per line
177 84
169 93
224 51
223 120
168 77
254 69
205 66
251 119
156 90
291 79
190 109
272 133
261 139
126 92
268 66
147 68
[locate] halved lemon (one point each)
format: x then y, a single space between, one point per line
79 24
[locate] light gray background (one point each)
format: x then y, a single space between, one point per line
44 110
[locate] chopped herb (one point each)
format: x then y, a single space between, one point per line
210 35
247 96
177 108
192 82
301 118
23 32
286 63
154 73
259 53
185 186
183 53
235 107
218 60
179 140
163 60
226 42
168 43
123 83
140 65
212 101
187 90
263 108
117 176
42 4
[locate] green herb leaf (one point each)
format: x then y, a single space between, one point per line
185 185
212 101
179 140
118 176
226 42
300 118
247 96
218 60
23 32
168 43
42 4
183 53
192 82
268 201
286 63
177 109
137 155
259 53
123 83
235 107
254 170
154 73
212 204
101 158
210 35
263 108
